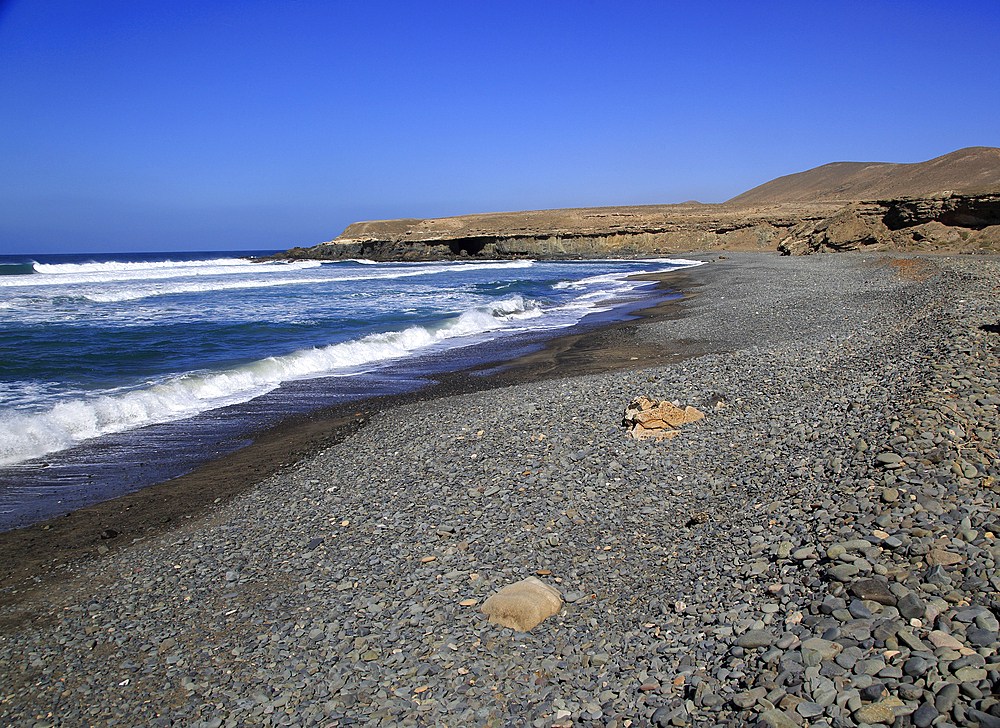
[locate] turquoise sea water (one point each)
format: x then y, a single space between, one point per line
110 359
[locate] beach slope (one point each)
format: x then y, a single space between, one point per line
818 548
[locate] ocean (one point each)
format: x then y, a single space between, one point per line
117 371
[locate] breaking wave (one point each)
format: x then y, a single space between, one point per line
66 424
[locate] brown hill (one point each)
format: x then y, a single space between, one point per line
973 169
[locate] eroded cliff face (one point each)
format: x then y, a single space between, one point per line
580 233
954 222
964 223
548 247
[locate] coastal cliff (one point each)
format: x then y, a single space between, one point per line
579 233
960 223
951 203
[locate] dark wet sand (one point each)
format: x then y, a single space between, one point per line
36 557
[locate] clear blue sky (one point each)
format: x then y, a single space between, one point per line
224 125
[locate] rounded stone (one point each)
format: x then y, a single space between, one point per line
875 691
946 697
809 709
843 572
755 638
916 666
875 713
981 637
924 715
873 590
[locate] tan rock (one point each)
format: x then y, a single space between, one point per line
649 418
875 713
940 557
897 572
943 639
641 433
775 718
825 648
671 416
523 604
692 415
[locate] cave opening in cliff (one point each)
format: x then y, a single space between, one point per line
467 246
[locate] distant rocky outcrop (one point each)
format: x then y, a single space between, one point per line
572 233
966 222
948 203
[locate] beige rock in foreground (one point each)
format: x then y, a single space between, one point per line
648 418
523 604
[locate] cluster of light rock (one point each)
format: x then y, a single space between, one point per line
647 418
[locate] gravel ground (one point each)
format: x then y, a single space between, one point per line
819 550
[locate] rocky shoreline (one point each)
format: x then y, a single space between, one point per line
818 550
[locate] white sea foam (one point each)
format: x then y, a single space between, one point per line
24 436
613 285
132 293
601 287
65 274
681 262
430 267
120 282
116 266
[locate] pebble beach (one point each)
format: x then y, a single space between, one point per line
820 550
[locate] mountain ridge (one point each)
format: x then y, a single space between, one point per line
966 170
